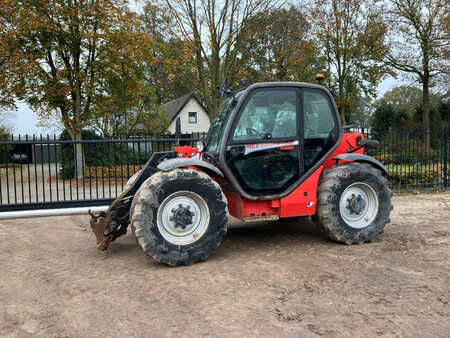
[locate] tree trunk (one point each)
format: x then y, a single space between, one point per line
341 104
79 156
426 112
342 114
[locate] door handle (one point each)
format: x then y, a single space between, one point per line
236 150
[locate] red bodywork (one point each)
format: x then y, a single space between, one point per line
302 201
186 151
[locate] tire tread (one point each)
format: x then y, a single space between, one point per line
328 219
143 227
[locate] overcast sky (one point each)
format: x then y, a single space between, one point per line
26 120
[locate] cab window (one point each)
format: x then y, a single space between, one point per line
268 114
264 150
320 126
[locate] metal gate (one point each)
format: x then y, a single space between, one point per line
41 172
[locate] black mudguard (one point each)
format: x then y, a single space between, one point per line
149 169
113 223
181 162
362 158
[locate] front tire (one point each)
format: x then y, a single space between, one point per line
354 203
179 217
132 179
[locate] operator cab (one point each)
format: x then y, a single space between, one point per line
268 137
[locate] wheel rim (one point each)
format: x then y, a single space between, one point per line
183 217
358 205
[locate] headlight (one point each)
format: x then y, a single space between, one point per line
199 146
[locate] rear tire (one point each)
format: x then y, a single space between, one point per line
354 203
179 217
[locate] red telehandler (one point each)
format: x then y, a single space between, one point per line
274 150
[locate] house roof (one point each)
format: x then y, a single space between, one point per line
173 108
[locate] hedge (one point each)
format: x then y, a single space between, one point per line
105 155
122 171
401 175
408 150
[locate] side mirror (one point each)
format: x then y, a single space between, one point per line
222 88
200 145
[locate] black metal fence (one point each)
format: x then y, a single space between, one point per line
44 173
41 172
413 166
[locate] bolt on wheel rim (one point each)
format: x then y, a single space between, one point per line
183 217
358 205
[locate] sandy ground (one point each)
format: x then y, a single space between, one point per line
272 279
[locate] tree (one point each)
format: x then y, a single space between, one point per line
362 111
150 119
113 112
6 118
400 109
351 34
404 98
140 88
5 133
280 47
5 136
144 116
108 112
383 118
6 100
420 45
60 52
215 31
171 74
396 109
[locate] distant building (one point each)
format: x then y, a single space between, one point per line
193 115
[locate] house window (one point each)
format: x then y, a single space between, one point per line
192 117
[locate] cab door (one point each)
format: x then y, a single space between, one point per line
264 149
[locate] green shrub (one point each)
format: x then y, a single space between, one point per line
4 149
403 175
404 150
101 154
121 171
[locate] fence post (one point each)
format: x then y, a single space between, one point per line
446 157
